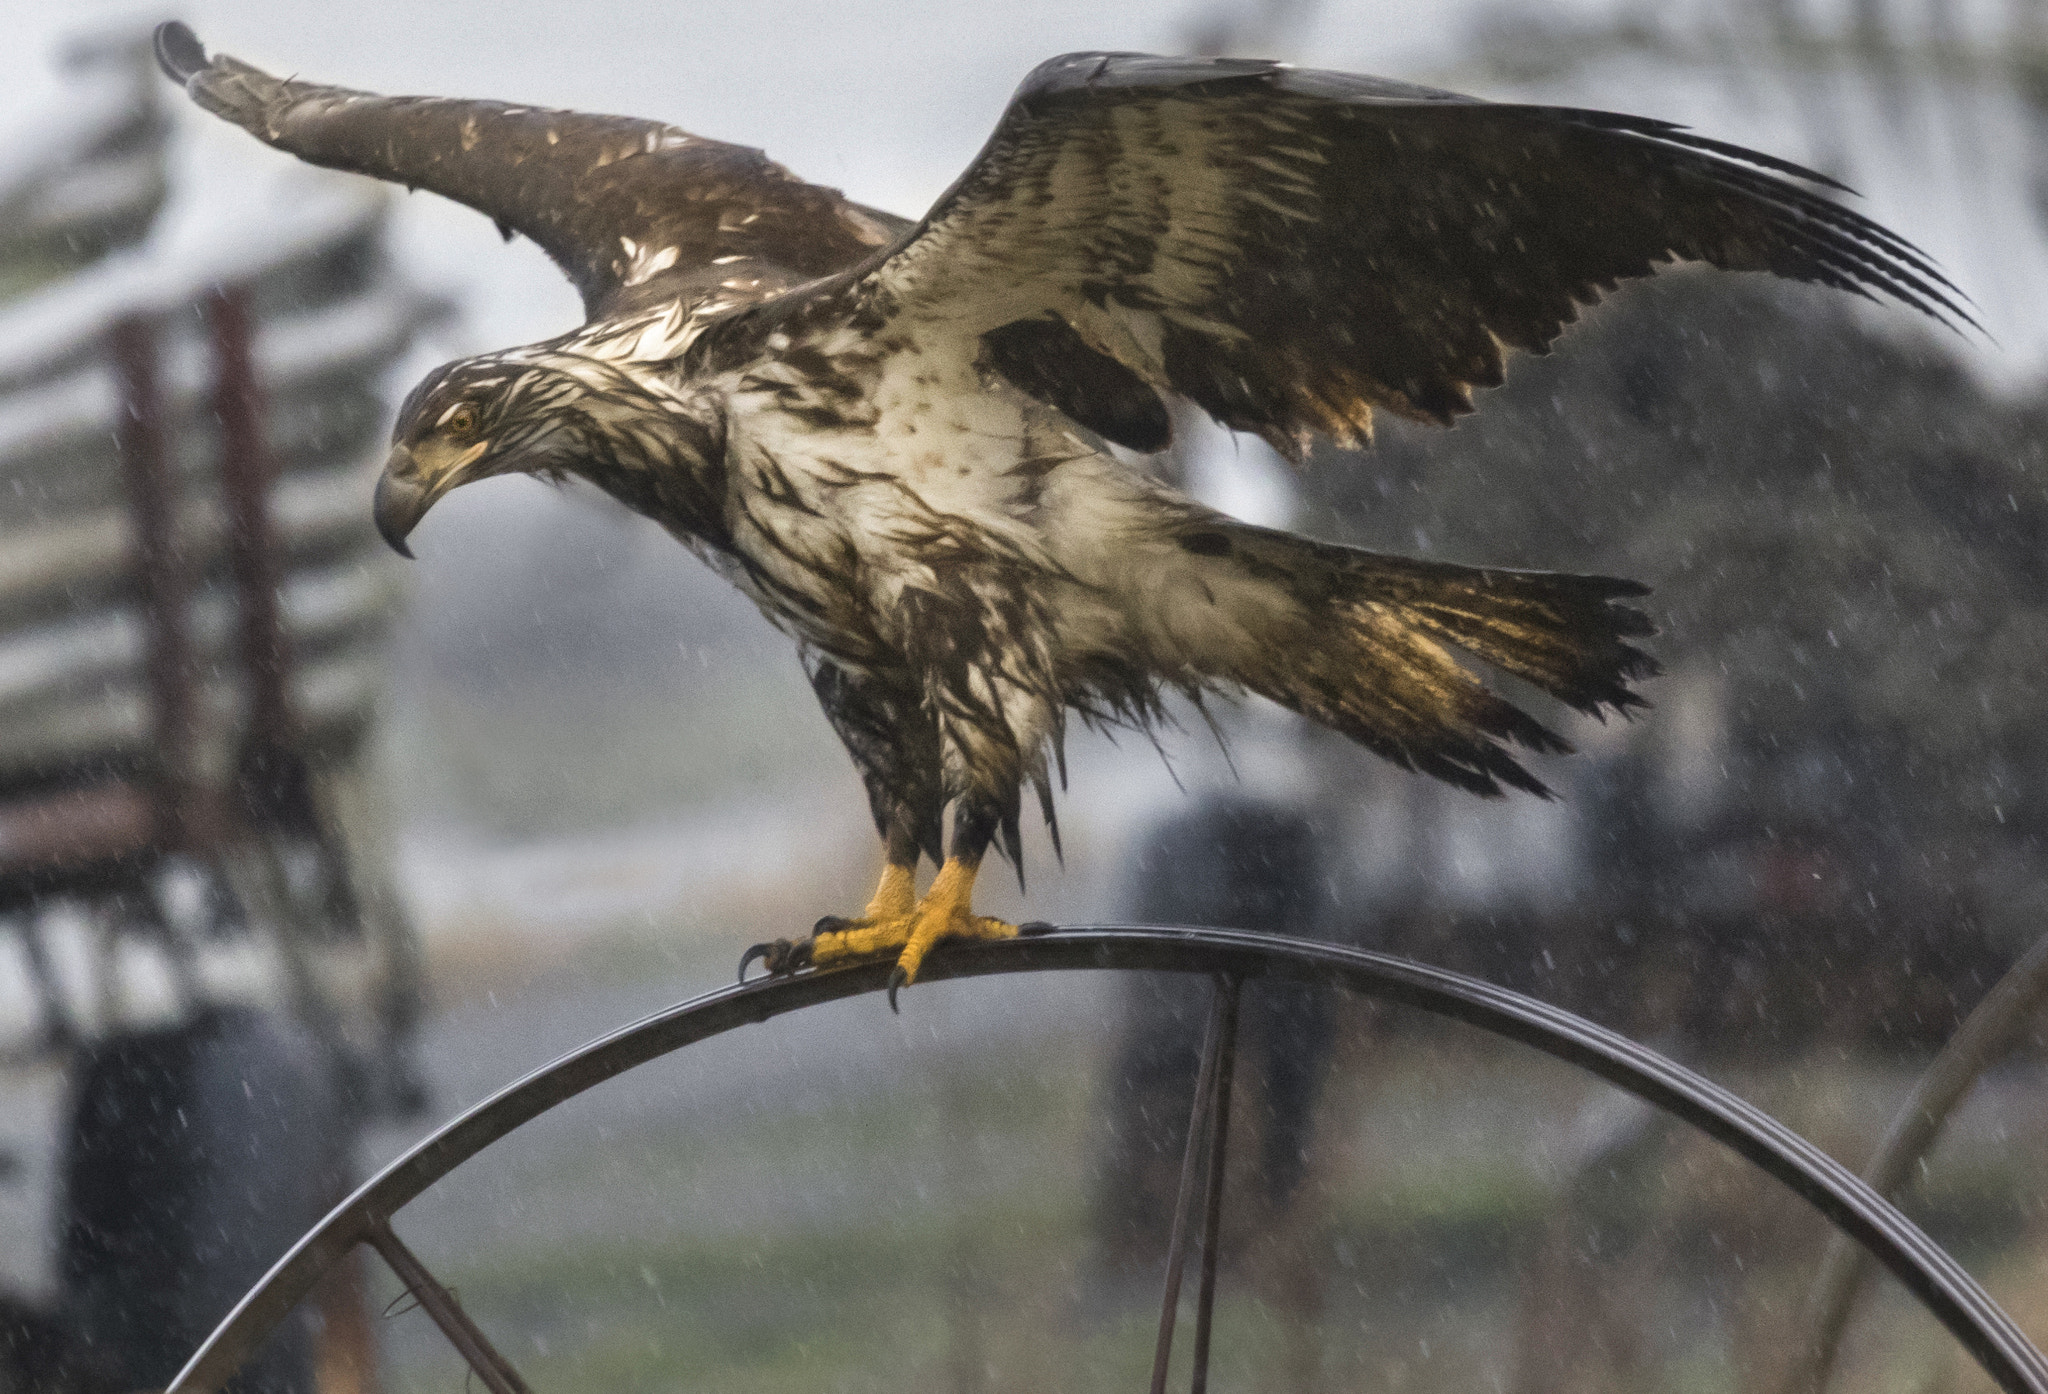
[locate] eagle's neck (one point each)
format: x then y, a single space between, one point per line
658 451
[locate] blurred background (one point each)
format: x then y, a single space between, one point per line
302 850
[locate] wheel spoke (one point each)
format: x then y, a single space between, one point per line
1212 1209
492 1368
1222 1003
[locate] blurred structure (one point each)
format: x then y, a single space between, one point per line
1844 539
201 935
1826 838
86 180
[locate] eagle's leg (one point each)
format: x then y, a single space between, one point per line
880 718
885 925
896 897
947 912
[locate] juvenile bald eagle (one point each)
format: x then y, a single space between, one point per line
893 437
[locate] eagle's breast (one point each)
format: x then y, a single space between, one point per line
863 472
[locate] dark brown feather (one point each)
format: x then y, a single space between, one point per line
894 744
575 184
1047 359
1304 247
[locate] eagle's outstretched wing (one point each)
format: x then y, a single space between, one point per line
1291 249
635 212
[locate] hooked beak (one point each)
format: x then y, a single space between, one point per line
400 501
413 480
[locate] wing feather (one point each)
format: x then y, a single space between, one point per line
1293 249
634 212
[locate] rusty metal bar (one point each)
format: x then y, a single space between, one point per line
245 474
162 580
275 784
1212 1209
74 828
1221 1002
492 1368
275 780
272 781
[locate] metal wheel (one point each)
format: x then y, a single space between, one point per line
1230 958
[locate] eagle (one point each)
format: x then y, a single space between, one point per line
917 447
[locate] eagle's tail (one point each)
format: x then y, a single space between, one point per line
1377 660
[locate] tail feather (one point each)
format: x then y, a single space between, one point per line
1563 633
1380 662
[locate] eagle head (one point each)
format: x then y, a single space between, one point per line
470 420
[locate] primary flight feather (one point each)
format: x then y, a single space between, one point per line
893 436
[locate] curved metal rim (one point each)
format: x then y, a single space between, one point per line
1927 1270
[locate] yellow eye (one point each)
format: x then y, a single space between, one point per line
462 420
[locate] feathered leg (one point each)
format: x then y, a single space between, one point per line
896 896
896 749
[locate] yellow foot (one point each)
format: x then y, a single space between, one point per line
892 924
946 912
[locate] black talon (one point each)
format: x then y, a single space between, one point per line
179 52
897 978
830 924
780 956
1035 928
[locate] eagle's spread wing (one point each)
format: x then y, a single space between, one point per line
635 212
1290 249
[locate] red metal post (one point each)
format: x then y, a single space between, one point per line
275 786
162 579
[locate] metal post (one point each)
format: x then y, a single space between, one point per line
492 1368
1222 1002
277 786
1212 1212
245 475
162 581
346 1358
